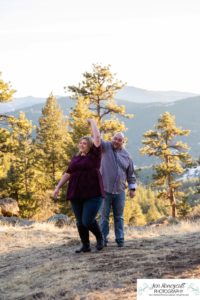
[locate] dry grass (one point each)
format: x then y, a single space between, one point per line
39 262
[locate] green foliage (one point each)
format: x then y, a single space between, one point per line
195 213
78 122
133 213
44 206
53 144
6 91
17 172
173 154
152 214
97 91
20 173
183 207
144 207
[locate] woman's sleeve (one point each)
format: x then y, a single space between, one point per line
97 150
69 168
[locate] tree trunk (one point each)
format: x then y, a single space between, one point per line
173 203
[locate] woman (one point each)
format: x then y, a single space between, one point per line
85 188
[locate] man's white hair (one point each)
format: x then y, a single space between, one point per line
119 134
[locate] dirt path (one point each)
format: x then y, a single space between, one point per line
44 265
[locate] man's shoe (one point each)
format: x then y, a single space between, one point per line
100 244
105 243
120 244
84 248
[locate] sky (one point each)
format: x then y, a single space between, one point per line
150 44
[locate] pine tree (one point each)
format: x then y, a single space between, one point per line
6 94
152 214
4 155
183 207
19 181
78 122
97 91
53 143
162 143
136 216
6 91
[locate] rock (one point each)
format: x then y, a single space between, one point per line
9 207
59 220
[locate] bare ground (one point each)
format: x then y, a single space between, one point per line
39 262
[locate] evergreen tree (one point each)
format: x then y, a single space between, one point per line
6 91
4 155
53 143
6 94
78 122
152 214
19 180
162 143
133 213
183 207
97 91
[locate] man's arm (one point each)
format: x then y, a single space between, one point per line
131 179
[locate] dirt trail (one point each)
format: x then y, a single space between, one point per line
44 265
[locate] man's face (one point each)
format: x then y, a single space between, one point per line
117 141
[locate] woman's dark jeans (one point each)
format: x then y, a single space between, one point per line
85 213
86 210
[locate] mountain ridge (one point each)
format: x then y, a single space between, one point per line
146 115
128 93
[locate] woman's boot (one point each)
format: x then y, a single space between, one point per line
95 229
84 236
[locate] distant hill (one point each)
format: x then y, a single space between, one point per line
128 93
133 94
19 103
145 116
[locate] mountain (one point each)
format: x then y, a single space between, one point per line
20 103
145 116
128 93
191 173
133 94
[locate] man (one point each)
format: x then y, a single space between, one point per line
116 168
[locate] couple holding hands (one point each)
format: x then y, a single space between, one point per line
97 178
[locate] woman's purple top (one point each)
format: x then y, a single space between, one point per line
85 179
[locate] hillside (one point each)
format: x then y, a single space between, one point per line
128 93
145 116
133 94
38 262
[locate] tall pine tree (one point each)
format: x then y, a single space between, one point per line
19 181
162 143
6 95
53 143
97 91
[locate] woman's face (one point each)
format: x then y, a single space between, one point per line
83 146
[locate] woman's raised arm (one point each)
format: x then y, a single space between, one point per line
95 132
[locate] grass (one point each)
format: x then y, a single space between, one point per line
38 262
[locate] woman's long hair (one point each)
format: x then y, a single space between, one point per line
89 142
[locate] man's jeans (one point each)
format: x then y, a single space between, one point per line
117 202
